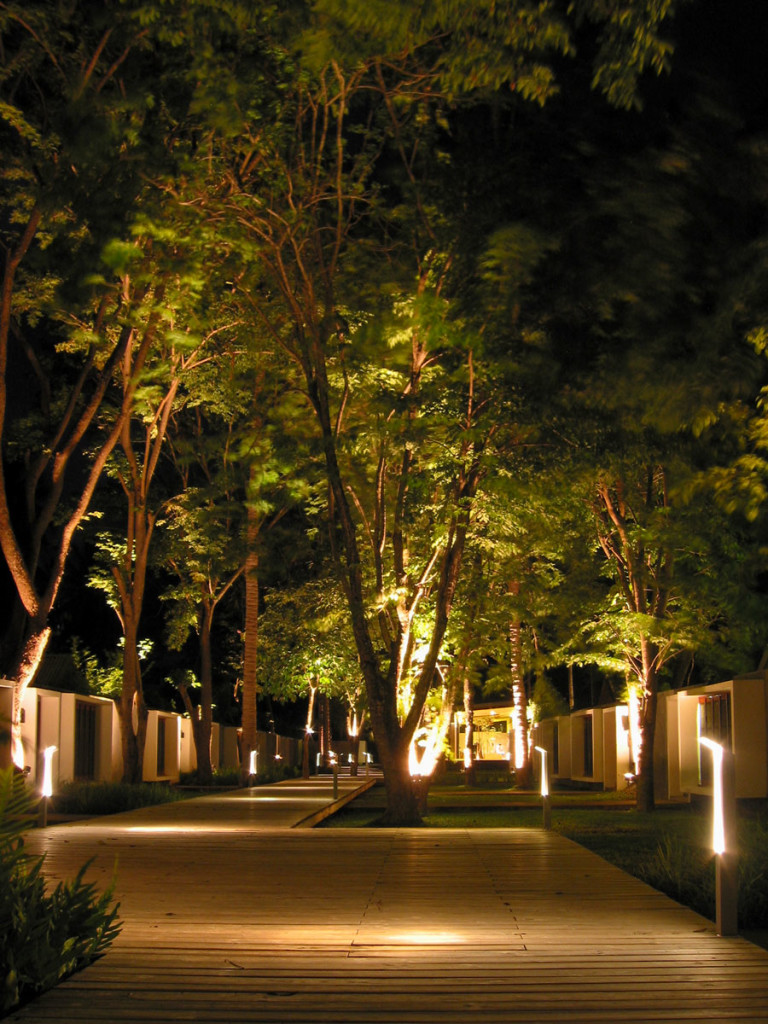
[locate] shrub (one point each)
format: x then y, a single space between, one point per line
92 798
44 936
222 778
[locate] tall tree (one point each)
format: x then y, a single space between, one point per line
309 203
73 117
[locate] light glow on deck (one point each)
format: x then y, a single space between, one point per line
427 938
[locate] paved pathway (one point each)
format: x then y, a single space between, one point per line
231 915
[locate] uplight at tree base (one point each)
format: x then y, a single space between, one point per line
253 764
635 733
420 766
718 819
47 789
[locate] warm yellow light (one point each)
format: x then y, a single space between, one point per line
424 764
467 757
635 733
48 753
252 767
718 821
425 938
544 777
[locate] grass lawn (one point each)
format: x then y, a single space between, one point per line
669 849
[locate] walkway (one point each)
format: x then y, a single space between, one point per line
231 916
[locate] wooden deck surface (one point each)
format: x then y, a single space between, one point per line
229 917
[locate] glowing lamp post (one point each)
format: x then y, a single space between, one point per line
253 765
546 805
724 838
46 791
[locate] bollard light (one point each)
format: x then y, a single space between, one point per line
718 821
47 790
723 837
544 778
546 806
253 765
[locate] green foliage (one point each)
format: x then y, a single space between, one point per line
485 46
104 674
44 934
94 798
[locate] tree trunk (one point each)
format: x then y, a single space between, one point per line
203 733
132 712
402 795
325 728
353 732
28 662
469 733
308 732
194 716
249 689
646 798
521 749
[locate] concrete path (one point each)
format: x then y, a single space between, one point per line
230 914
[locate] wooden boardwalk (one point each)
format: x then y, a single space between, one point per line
229 917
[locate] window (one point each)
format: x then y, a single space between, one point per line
714 724
588 759
555 749
86 731
160 745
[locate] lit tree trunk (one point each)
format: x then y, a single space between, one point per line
353 732
29 661
204 731
469 732
132 710
520 746
130 579
193 711
308 731
325 728
646 797
644 574
249 689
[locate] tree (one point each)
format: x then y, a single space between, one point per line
202 542
308 650
308 202
663 368
73 118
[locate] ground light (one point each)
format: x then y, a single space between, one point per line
546 804
724 838
254 762
46 791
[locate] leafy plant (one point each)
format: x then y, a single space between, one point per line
44 935
90 798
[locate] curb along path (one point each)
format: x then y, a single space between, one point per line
233 914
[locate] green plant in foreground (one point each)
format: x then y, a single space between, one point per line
44 935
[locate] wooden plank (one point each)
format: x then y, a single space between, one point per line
229 917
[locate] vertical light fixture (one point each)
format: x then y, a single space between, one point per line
546 806
724 837
46 790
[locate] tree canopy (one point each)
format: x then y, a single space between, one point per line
467 297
